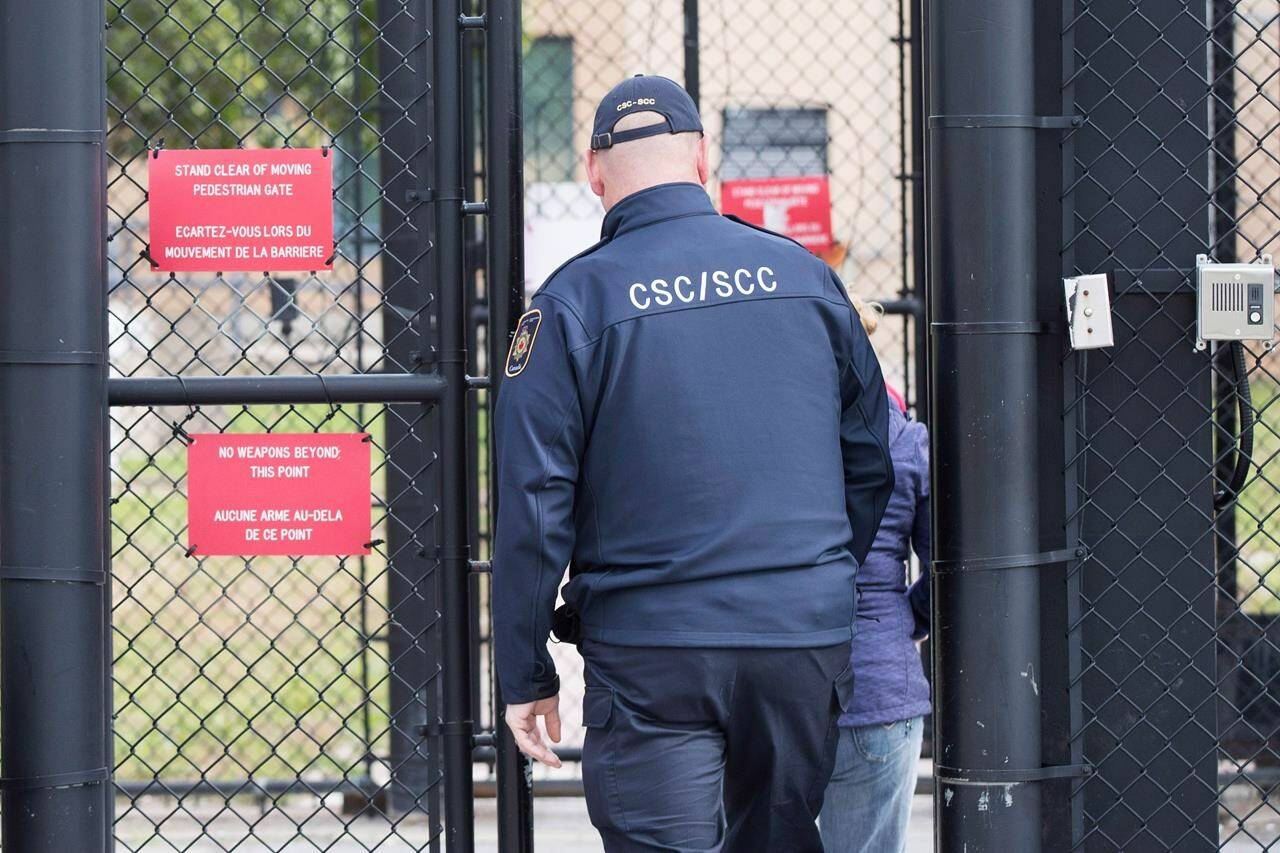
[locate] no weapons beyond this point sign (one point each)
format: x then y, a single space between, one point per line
294 495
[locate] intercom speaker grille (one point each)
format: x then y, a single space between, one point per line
1228 296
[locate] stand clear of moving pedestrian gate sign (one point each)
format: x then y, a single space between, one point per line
296 495
247 210
799 207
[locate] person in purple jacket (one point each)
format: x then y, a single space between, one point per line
868 799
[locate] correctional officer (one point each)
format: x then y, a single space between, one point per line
692 419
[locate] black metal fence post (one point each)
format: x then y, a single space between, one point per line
919 275
986 462
404 163
692 61
1222 241
473 261
449 198
505 281
54 586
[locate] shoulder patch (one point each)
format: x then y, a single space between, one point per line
522 342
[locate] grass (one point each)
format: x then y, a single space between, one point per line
227 667
275 668
1258 511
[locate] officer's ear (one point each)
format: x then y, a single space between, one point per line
704 167
593 173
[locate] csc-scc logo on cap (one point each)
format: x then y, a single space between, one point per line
638 102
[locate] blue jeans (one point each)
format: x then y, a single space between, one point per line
869 797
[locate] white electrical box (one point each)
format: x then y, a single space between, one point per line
1235 302
1089 311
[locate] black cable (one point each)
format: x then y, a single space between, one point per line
1244 444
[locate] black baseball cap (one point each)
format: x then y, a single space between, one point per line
640 94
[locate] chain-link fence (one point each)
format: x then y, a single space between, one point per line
780 98
276 703
264 701
269 702
1175 629
273 702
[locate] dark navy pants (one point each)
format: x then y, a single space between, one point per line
725 750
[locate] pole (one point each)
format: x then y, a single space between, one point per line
919 276
454 552
986 461
504 173
692 67
472 179
55 742
1223 240
412 599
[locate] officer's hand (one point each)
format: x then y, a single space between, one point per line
523 721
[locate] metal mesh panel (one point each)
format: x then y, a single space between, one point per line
1175 632
779 98
268 703
761 64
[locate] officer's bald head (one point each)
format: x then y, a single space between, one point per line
663 158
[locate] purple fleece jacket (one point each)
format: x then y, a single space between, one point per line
888 678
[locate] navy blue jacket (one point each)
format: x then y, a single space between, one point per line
692 417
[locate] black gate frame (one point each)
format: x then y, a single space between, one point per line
55 735
55 396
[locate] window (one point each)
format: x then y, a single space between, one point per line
548 110
774 143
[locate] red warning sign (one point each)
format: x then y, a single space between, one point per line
303 494
800 207
263 210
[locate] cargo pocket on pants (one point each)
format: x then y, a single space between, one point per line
841 694
599 761
597 707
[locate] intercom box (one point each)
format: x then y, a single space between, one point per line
1234 302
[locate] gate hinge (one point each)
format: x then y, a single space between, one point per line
460 553
473 22
441 729
428 195
425 195
433 357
